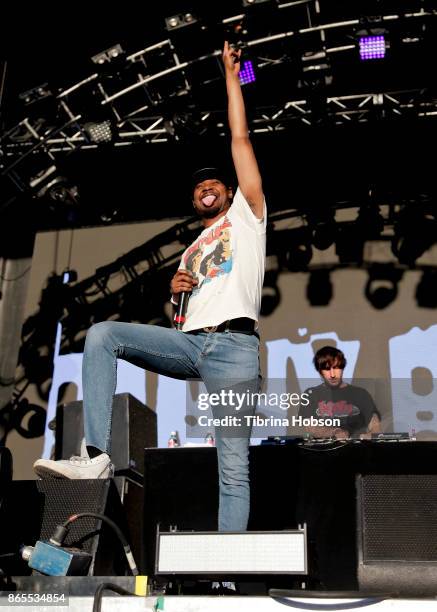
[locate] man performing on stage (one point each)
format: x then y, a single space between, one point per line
223 269
334 399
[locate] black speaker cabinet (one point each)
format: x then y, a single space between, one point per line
134 424
397 534
31 510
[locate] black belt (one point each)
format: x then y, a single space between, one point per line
242 325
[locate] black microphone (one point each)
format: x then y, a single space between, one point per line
179 318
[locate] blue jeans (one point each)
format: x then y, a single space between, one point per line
212 357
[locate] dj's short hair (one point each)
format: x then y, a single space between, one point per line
329 357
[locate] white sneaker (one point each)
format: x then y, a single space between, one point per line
75 468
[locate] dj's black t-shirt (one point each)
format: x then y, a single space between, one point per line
354 406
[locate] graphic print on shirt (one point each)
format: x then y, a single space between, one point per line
336 409
211 256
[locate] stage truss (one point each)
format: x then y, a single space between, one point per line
154 94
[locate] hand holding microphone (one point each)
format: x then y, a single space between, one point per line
181 286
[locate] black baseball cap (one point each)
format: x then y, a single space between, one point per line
211 172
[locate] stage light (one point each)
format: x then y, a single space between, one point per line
41 109
271 295
349 244
179 21
247 73
35 94
415 232
69 276
99 133
319 288
382 285
62 197
187 125
323 236
323 229
316 70
108 55
370 221
426 290
61 190
299 251
372 47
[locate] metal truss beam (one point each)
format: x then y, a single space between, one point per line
340 110
135 101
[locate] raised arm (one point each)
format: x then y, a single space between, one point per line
246 166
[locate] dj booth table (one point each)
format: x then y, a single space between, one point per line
291 484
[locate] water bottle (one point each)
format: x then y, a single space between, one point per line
173 441
209 439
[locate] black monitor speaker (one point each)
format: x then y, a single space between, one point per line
133 427
397 534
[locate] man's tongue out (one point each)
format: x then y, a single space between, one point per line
208 200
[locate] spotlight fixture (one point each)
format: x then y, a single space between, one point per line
271 295
370 221
179 21
247 73
319 288
108 55
62 198
372 47
61 191
323 229
69 276
184 125
35 94
41 109
382 285
426 290
316 70
415 231
299 251
349 244
372 38
99 133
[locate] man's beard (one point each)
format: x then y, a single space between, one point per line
209 213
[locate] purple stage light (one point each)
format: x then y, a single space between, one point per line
247 73
372 47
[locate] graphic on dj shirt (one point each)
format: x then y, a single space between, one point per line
336 409
211 255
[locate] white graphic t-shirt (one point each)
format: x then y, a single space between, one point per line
228 259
